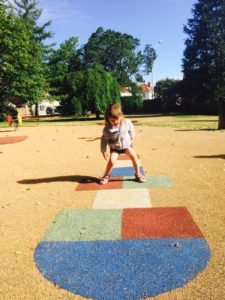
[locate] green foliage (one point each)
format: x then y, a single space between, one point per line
16 57
85 79
149 57
119 54
22 67
134 103
152 106
94 88
61 63
204 63
168 92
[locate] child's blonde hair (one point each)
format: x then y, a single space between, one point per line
114 111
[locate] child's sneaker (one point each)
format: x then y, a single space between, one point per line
139 178
104 179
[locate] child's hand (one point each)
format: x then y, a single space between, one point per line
105 155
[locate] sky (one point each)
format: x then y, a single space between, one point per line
156 22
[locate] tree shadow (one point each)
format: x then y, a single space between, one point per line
90 139
2 131
60 119
69 178
195 129
150 115
196 121
211 156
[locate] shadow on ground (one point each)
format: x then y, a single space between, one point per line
90 139
197 129
3 131
211 156
69 178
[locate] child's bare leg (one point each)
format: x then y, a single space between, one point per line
133 156
112 160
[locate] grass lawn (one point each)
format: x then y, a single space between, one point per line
195 122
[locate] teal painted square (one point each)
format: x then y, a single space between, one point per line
160 181
86 225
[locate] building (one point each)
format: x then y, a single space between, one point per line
146 91
125 92
45 108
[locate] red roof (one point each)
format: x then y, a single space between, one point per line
146 87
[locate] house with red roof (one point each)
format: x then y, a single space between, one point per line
146 91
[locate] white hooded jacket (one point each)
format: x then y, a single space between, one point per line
119 137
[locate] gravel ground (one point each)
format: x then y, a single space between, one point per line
38 180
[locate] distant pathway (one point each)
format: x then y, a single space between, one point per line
122 248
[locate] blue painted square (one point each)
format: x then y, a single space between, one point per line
125 171
124 269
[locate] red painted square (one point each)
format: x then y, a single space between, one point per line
125 157
12 139
162 222
93 184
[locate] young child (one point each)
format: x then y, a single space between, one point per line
118 133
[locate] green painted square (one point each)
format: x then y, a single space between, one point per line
160 181
85 225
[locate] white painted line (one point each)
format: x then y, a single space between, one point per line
124 198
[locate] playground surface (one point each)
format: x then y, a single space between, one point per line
41 176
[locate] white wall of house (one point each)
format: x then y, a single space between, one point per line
28 111
147 95
44 105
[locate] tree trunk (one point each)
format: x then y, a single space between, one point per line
221 124
36 110
97 115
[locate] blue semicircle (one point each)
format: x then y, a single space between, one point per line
122 269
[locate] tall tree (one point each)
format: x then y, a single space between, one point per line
28 10
169 94
29 13
93 90
18 69
204 56
119 54
61 63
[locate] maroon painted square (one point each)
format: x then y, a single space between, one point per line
163 222
125 157
12 139
90 185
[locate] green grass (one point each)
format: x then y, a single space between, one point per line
195 122
188 122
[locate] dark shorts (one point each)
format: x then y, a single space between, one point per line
118 151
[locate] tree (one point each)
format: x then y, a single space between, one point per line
18 70
107 54
169 93
119 54
204 57
93 90
149 57
34 77
61 63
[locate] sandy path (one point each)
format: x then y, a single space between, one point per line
38 179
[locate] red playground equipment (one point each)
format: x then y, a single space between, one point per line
10 120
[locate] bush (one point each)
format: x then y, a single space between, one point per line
132 104
152 106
